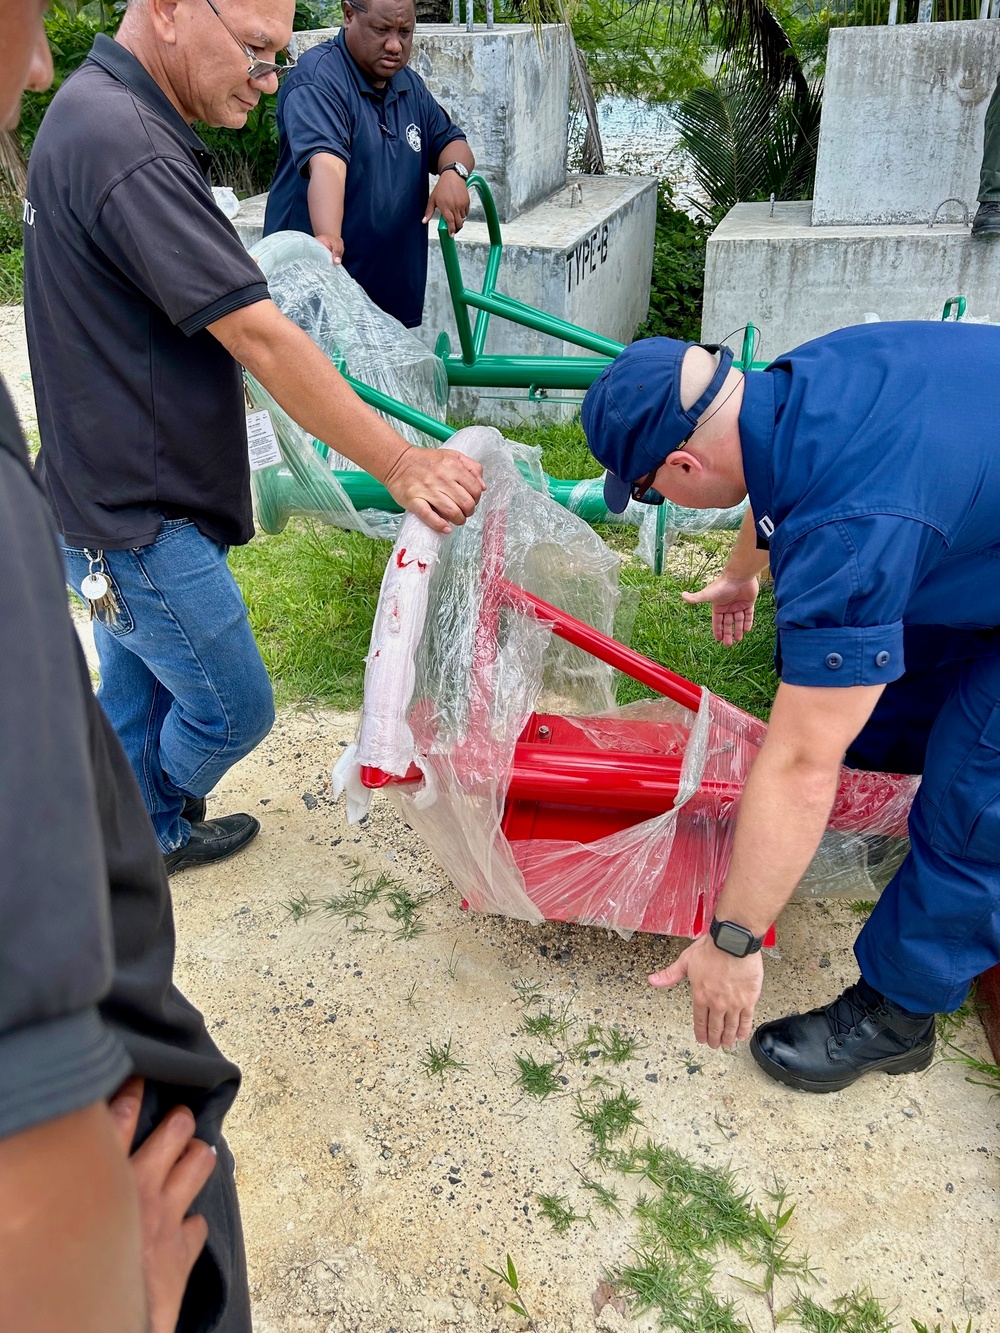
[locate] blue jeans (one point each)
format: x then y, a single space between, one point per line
182 680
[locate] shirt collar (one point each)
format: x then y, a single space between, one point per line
757 444
121 64
393 88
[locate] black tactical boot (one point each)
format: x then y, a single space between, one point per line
860 1032
987 219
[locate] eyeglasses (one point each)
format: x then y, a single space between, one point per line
642 491
257 69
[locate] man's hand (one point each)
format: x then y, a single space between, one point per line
440 486
169 1171
335 244
451 198
724 991
732 606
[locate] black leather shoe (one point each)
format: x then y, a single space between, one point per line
194 809
987 219
828 1049
212 840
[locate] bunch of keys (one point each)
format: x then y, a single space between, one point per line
96 588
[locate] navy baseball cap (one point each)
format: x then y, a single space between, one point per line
632 414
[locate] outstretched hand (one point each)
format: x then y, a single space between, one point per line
724 991
440 486
169 1170
732 606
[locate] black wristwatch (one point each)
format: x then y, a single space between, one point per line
459 169
734 939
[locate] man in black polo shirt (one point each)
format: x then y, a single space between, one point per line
358 134
141 304
89 1241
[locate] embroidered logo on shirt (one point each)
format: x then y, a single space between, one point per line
413 137
766 526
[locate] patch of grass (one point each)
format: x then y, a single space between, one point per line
403 907
528 992
536 1079
861 907
610 1044
12 277
436 1061
857 1312
607 1118
548 1026
312 593
606 1197
300 905
555 1209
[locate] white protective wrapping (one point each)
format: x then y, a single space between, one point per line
360 339
451 684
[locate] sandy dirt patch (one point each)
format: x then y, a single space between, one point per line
375 1196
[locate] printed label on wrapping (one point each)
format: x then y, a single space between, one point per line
262 442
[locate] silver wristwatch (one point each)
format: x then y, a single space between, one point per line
460 170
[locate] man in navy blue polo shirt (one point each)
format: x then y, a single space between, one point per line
359 132
873 472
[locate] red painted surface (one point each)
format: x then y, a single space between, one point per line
566 788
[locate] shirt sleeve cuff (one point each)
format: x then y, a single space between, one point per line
51 1069
843 656
225 305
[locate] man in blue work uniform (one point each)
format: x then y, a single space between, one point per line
873 473
358 134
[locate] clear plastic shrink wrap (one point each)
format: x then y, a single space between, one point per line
454 678
324 300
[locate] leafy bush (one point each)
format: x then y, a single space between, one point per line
11 260
678 271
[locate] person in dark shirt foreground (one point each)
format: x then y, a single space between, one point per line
92 1240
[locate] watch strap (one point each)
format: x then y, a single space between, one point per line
460 170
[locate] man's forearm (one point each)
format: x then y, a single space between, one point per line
782 817
325 195
745 560
304 382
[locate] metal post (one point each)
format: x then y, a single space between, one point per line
456 12
489 14
893 11
469 18
925 12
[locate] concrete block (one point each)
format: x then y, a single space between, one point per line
509 90
584 254
902 125
796 281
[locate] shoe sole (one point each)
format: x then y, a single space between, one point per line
211 861
897 1064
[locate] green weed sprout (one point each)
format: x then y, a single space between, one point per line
510 1280
536 1079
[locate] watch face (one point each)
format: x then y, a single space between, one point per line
461 169
732 939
